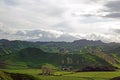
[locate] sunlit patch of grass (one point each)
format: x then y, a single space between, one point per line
62 75
4 76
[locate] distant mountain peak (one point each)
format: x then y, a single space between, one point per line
4 40
83 40
88 42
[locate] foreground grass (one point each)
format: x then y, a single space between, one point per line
61 75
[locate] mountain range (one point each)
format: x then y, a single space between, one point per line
78 55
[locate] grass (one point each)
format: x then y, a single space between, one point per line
97 75
4 76
62 75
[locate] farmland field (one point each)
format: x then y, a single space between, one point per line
62 75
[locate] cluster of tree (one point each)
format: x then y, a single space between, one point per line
46 70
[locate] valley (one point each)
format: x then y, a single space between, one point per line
78 60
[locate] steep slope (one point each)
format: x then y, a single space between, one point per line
32 56
98 51
115 52
20 53
35 58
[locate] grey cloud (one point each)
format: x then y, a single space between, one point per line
102 37
88 15
37 13
94 36
116 31
50 14
47 35
64 37
33 33
113 8
56 11
63 26
20 33
113 15
37 35
2 32
5 34
67 37
51 36
10 2
42 35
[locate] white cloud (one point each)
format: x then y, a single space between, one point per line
53 35
57 19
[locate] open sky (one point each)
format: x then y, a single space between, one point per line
60 20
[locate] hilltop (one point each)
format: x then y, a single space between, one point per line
77 55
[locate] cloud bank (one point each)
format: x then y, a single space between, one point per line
53 35
60 20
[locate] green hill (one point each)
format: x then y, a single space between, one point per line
76 55
35 58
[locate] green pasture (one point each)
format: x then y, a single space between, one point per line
62 75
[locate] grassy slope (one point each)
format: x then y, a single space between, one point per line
4 75
69 75
34 57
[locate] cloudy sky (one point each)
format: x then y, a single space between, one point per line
60 20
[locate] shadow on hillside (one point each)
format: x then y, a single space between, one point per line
116 78
91 69
15 76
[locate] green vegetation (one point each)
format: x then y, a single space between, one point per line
62 75
25 60
35 58
15 76
4 76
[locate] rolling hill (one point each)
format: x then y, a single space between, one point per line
77 55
